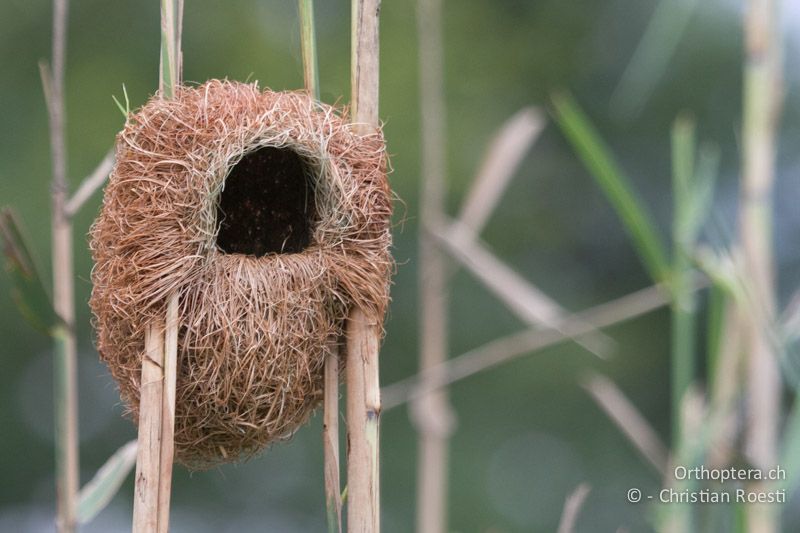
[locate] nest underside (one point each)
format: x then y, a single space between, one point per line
254 330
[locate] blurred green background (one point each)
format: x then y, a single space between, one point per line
527 433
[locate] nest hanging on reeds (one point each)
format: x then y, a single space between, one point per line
270 218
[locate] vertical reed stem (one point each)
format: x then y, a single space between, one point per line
170 373
431 411
763 94
157 384
683 296
151 386
363 387
308 40
330 440
65 349
330 423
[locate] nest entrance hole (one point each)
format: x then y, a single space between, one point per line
267 204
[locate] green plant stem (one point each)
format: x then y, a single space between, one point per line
308 42
171 59
66 441
683 325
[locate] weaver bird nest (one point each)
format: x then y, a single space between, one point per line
270 217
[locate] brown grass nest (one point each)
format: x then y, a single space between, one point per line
256 317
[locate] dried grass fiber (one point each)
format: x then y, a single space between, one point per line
254 330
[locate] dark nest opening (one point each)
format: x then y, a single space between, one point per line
267 205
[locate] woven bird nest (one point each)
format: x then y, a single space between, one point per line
270 218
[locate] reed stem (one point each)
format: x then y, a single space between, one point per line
363 332
308 40
330 424
157 383
431 412
763 95
65 378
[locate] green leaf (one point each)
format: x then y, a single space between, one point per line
598 160
28 289
126 109
94 497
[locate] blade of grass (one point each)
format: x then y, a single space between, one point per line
28 288
97 494
598 160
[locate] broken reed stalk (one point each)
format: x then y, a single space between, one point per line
65 349
330 418
159 362
362 331
762 106
431 412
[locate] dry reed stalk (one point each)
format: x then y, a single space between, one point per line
518 344
65 379
89 186
763 95
170 371
431 413
330 439
572 508
148 468
363 331
521 297
330 417
629 420
159 364
502 159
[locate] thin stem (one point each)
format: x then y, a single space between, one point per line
432 414
330 426
171 57
90 184
683 297
629 420
330 440
308 41
151 390
363 387
67 477
572 508
157 383
168 411
763 90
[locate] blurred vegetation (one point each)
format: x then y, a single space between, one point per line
527 433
